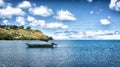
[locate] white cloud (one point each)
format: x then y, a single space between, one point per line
114 5
24 4
5 22
40 23
64 26
61 37
55 25
109 17
105 22
43 11
10 11
43 24
2 3
109 37
20 20
34 22
89 1
65 15
99 34
30 18
91 12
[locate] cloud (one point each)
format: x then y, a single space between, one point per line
43 24
20 20
109 37
91 12
2 3
65 15
34 22
60 36
99 34
55 25
96 12
66 35
40 23
43 11
10 11
89 1
109 17
24 4
105 22
5 22
30 18
114 5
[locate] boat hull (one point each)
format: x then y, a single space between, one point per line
40 46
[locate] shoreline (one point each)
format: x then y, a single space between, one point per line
61 40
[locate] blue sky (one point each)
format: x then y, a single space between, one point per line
65 19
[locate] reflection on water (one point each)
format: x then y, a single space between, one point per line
73 53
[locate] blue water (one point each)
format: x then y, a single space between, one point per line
68 53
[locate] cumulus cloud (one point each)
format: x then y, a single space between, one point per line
114 5
99 34
24 4
43 24
89 1
105 22
2 3
34 22
43 11
65 15
5 22
30 18
55 25
10 11
20 20
40 23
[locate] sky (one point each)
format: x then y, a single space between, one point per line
65 19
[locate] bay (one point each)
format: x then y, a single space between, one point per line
68 53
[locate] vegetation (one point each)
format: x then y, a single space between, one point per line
13 32
28 28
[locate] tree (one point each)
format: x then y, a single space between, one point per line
28 28
21 27
2 26
50 38
37 31
6 36
13 27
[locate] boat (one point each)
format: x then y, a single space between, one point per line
41 45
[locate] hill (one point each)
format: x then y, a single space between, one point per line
22 34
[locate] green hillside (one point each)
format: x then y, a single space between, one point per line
22 34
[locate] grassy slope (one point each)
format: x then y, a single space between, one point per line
22 34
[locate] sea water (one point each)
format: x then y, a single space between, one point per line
68 53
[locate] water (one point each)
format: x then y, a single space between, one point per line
68 53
